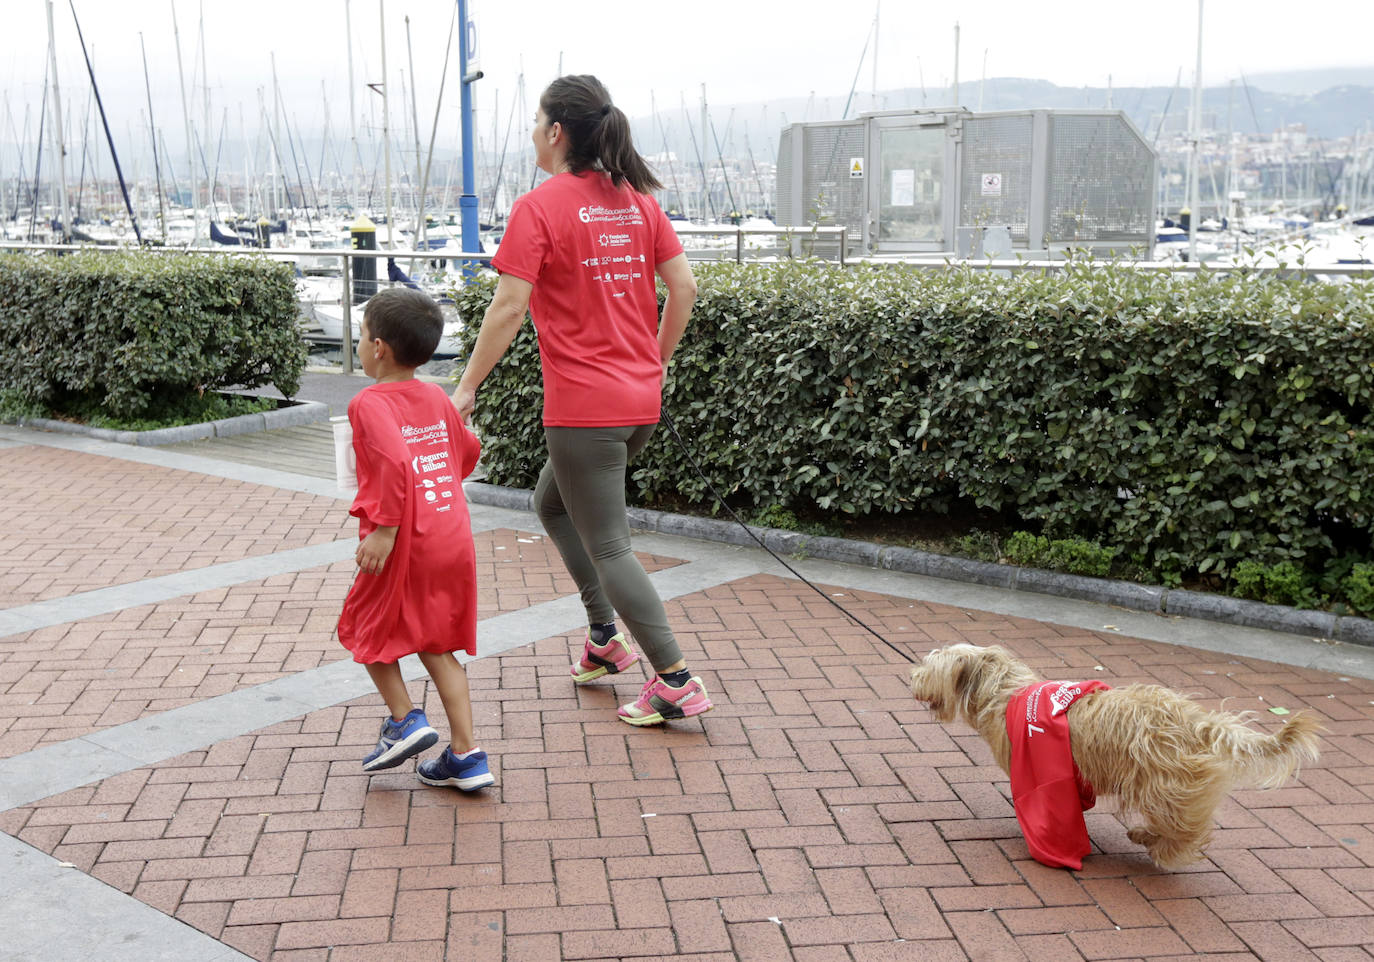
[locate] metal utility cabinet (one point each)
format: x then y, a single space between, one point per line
932 180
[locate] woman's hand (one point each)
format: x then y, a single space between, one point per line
464 399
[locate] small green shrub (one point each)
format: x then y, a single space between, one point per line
1358 588
776 516
1280 584
1066 554
1080 557
1026 549
978 545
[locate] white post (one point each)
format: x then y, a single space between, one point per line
59 148
877 11
956 63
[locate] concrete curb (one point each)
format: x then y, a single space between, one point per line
295 413
1123 594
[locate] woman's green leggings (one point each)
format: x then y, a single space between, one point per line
580 498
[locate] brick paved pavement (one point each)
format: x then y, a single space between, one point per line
817 814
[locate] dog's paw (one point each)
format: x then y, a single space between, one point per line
1142 836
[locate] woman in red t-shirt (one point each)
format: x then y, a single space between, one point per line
580 252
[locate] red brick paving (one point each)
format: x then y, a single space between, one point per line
817 814
76 678
91 522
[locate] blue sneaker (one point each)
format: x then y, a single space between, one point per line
400 740
465 774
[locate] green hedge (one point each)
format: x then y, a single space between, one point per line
1187 422
124 331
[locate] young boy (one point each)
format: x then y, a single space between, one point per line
416 589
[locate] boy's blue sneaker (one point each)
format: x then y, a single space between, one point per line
465 774
400 740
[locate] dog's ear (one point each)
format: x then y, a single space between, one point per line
966 679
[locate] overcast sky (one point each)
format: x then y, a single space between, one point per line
743 50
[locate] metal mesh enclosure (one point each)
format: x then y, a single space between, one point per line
1100 181
998 146
829 194
785 214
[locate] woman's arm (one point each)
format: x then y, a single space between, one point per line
677 307
500 324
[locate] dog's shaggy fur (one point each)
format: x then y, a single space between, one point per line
1165 757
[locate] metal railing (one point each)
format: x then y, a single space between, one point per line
793 236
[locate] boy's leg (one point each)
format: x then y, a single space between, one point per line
451 682
461 765
407 731
588 475
392 687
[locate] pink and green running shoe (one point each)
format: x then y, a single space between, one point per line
658 701
613 657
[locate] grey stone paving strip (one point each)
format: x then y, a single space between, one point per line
176 460
104 601
60 914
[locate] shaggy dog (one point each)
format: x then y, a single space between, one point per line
1166 758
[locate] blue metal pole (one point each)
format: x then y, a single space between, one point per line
467 203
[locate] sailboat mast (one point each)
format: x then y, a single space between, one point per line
352 114
438 100
186 117
1195 136
705 188
152 129
386 126
415 123
58 147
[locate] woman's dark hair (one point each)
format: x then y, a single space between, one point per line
409 321
598 131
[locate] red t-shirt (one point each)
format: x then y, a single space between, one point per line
590 251
1049 794
413 452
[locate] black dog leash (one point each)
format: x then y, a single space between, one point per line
668 422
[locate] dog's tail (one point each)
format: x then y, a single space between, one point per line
1267 761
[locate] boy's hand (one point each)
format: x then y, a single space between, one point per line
374 550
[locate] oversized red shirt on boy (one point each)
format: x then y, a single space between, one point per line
590 251
413 452
1047 790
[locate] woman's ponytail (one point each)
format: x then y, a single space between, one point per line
598 131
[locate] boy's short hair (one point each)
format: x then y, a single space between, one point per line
408 320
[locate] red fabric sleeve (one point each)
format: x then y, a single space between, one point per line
526 244
383 472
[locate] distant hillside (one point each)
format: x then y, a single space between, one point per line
1307 82
1330 103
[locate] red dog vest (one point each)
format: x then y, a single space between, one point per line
1049 794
